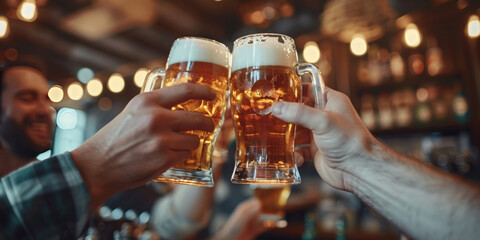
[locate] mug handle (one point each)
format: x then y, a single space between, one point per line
318 83
153 80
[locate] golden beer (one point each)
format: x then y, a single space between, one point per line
216 77
273 199
200 61
263 72
263 139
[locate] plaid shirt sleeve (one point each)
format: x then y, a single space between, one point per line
44 200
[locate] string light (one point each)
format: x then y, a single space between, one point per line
358 45
27 11
75 91
55 93
139 77
412 36
311 52
94 87
473 27
4 28
116 83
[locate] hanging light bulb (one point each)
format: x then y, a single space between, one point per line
27 11
139 77
4 29
358 45
473 26
116 83
311 52
412 36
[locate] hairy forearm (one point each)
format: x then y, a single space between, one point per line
423 202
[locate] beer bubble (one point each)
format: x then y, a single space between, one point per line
263 97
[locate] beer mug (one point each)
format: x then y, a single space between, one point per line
201 61
273 198
265 70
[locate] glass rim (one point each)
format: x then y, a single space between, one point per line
263 34
203 39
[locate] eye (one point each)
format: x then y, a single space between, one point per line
27 97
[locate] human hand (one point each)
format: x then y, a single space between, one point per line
143 141
338 133
244 223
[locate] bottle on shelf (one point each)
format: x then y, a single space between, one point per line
310 232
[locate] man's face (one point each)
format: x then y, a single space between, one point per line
26 114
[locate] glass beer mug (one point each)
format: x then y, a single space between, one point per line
265 70
201 61
273 198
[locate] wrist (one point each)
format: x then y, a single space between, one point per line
94 184
365 163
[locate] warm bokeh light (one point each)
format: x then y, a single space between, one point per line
473 27
27 11
139 77
422 94
4 29
94 87
358 45
311 52
257 17
105 104
55 93
85 74
75 91
412 36
116 83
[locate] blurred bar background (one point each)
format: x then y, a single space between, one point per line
411 69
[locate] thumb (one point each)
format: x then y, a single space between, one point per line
315 119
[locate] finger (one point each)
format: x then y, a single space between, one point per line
169 159
182 141
314 119
186 120
298 158
173 95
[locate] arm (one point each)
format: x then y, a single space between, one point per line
424 202
186 210
421 201
183 212
243 224
44 200
143 141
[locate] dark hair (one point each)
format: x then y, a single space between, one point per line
4 66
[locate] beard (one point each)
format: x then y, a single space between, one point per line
18 140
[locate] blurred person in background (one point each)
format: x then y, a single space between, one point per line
26 124
422 201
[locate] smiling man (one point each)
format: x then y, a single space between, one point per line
25 116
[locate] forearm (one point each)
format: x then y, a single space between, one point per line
183 212
193 203
420 200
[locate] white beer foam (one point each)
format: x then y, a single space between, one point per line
258 50
198 49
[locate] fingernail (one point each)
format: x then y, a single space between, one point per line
278 108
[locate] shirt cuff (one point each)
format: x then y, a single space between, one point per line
49 198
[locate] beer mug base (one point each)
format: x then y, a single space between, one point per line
262 174
181 176
272 221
